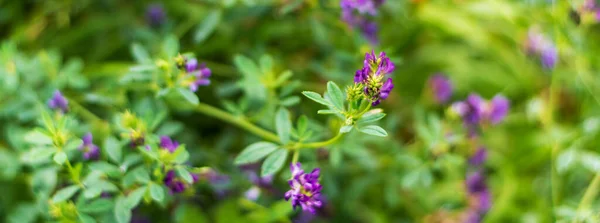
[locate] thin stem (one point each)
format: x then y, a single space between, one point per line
237 121
590 193
316 145
84 112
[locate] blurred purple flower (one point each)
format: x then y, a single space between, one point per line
155 14
479 157
475 182
90 151
168 144
305 189
441 87
475 110
499 108
541 46
175 184
549 56
354 13
58 102
252 193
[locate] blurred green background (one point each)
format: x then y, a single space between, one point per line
542 159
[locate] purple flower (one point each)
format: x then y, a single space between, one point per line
479 157
499 108
371 76
155 14
90 151
168 144
441 87
58 102
378 65
475 182
198 74
361 75
305 189
174 184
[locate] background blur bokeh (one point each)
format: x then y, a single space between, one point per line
543 159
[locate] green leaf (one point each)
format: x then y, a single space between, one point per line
106 168
47 120
92 192
113 148
65 193
140 54
188 95
208 25
326 112
274 162
171 46
73 144
316 97
157 192
336 96
181 155
346 128
283 125
302 124
37 137
373 130
370 117
122 210
290 101
184 174
86 218
96 206
60 157
255 152
134 198
37 155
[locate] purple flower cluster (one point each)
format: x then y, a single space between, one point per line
354 13
58 102
90 151
305 189
155 15
197 74
372 74
440 87
175 184
477 189
475 110
539 45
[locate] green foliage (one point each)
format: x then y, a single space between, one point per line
404 160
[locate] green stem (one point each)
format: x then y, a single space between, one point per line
237 121
72 173
83 111
316 145
590 193
296 155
